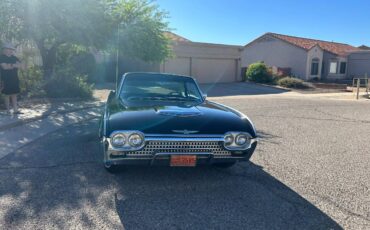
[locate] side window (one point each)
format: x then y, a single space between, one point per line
192 90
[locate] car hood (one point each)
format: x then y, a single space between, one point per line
206 118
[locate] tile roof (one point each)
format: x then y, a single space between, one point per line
364 47
307 43
175 37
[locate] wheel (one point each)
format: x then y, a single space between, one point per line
112 168
224 165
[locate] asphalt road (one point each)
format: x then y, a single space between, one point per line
310 171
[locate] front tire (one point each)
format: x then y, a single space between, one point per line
112 168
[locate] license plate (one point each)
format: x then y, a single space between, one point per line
183 161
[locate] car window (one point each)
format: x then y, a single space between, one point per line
192 90
160 88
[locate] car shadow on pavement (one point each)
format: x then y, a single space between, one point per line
59 182
241 197
239 89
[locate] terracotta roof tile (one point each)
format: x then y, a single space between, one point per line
307 43
175 37
364 47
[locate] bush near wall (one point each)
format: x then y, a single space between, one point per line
259 72
31 82
67 84
291 82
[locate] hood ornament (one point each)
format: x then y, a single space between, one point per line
185 131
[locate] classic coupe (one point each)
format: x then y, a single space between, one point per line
165 119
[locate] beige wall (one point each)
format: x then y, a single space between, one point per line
275 52
358 64
208 63
180 65
136 65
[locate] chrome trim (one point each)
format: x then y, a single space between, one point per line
185 131
118 90
105 119
184 136
195 153
199 90
104 144
184 139
174 145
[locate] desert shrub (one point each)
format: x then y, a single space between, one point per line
67 84
31 82
259 72
290 82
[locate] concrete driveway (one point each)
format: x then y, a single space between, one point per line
239 89
310 171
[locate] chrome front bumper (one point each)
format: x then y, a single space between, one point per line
158 150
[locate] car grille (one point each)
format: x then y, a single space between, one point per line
153 147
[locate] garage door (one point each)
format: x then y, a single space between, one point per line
207 70
179 66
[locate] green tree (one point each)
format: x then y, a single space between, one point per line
51 23
140 25
96 23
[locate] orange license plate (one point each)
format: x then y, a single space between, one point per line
183 161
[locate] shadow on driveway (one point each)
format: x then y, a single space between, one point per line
242 197
59 181
238 89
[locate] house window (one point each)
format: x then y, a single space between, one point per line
343 66
333 67
315 66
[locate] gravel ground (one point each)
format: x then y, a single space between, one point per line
310 171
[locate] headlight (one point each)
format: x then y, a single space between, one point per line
237 140
127 140
135 140
241 139
229 139
118 139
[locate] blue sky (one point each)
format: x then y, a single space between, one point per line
238 22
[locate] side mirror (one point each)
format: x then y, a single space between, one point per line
204 96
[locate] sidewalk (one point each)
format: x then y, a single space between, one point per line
33 111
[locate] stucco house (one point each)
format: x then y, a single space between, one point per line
307 58
207 62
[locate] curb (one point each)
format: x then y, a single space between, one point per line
28 120
269 86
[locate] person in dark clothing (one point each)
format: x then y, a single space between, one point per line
9 65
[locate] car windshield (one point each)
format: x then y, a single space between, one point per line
165 88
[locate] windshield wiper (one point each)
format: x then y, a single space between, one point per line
180 99
167 98
141 98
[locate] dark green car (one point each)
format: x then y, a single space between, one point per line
164 119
